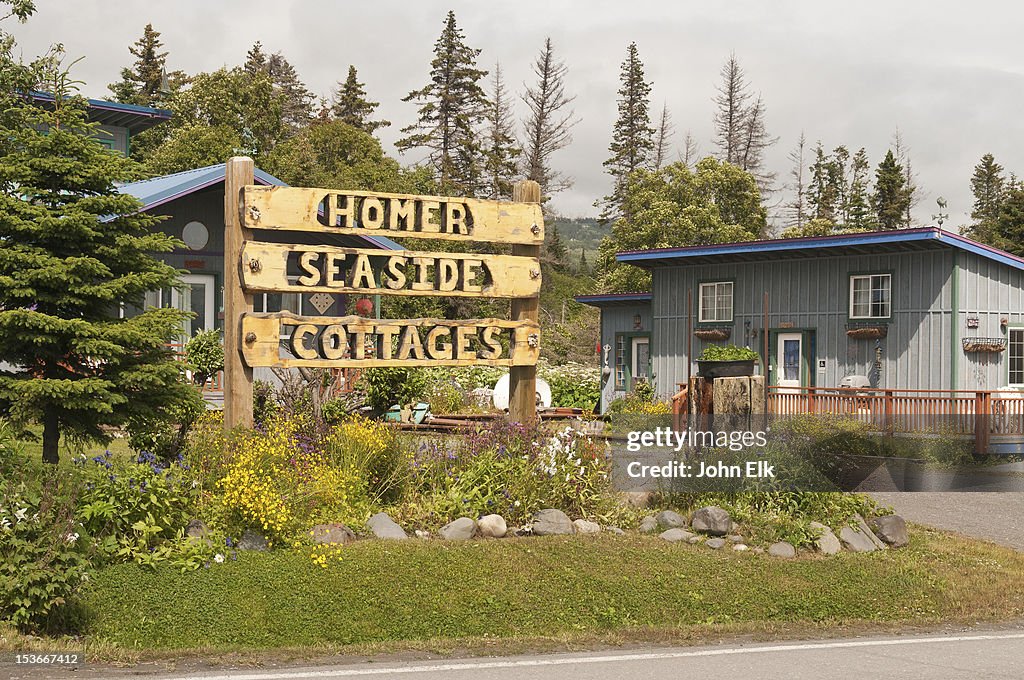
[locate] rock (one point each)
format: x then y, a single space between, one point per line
670 520
252 540
711 520
492 526
332 533
863 526
855 540
757 549
420 533
827 543
892 529
582 526
196 529
695 539
551 522
676 535
461 529
648 525
734 538
740 547
782 549
615 530
383 526
715 543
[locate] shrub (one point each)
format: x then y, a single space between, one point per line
281 482
728 353
446 397
373 451
131 508
508 469
387 386
41 558
165 435
640 402
204 354
573 385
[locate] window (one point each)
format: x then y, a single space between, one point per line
620 362
716 301
870 296
1016 354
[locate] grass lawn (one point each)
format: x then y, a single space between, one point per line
533 591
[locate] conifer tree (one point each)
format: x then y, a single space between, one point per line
730 118
858 202
796 209
555 246
890 198
501 151
754 141
295 99
1007 232
144 84
584 266
989 188
632 138
821 190
351 106
452 107
549 123
74 250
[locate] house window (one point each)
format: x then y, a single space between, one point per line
620 362
716 301
870 296
1016 354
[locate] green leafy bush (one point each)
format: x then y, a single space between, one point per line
728 353
572 385
164 434
204 354
387 386
264 402
132 507
42 562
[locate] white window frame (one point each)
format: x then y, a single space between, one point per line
870 278
700 301
1009 356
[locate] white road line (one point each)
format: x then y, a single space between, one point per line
573 660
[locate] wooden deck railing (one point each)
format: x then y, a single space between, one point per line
981 413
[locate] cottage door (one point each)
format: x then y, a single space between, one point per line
196 296
641 358
789 359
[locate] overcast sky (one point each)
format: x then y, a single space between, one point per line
949 75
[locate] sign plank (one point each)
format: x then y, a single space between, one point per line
366 213
286 340
329 269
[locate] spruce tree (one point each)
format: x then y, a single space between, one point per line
295 99
858 202
632 138
501 151
584 266
989 188
1007 231
890 199
555 246
754 141
143 84
549 122
351 106
730 118
452 107
73 250
821 189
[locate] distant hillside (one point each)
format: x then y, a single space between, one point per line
581 233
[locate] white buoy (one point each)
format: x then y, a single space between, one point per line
501 393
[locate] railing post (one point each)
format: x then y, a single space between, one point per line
889 424
982 410
811 401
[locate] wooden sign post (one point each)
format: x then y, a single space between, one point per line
287 340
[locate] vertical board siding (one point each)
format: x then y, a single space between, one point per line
812 294
989 291
619 319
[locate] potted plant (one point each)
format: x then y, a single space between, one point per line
726 361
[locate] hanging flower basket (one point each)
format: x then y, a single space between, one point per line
984 344
713 333
867 332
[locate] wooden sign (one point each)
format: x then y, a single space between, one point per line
285 340
329 269
395 215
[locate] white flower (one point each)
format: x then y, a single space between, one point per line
5 524
71 538
20 514
218 558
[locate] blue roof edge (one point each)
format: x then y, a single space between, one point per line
604 299
782 245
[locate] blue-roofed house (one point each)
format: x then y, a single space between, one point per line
916 309
117 122
193 205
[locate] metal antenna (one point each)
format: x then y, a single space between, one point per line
942 216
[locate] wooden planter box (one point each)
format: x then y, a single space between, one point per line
991 345
725 369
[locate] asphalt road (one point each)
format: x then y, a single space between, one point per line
994 516
978 656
